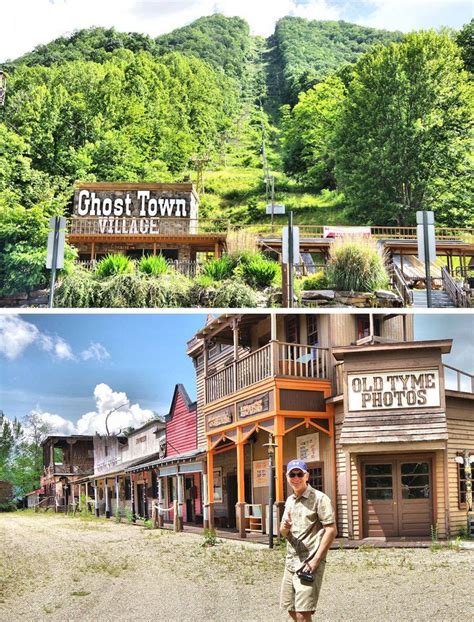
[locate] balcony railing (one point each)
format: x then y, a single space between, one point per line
274 359
87 226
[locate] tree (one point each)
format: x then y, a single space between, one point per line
10 431
465 40
403 137
308 133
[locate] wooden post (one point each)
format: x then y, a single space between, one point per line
117 502
107 500
279 436
96 498
175 515
132 498
240 507
180 501
210 487
92 251
205 508
235 334
159 519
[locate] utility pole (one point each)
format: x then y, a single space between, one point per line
200 161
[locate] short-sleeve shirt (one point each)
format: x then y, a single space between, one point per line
310 512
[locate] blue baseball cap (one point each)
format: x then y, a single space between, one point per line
296 464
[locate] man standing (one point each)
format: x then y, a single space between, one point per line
308 524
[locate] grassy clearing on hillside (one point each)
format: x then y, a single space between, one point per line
238 194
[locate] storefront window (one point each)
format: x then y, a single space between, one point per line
462 483
312 330
316 476
415 480
378 481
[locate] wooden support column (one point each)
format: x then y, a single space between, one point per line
332 432
107 500
240 506
274 343
205 508
132 497
92 251
160 519
154 248
145 504
210 488
217 250
371 325
235 334
96 498
180 501
279 475
117 501
205 354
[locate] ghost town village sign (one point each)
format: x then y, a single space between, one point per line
414 389
134 209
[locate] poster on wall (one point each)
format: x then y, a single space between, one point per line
260 473
218 484
307 447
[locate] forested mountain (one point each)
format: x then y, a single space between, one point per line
367 133
305 52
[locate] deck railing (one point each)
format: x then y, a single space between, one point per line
463 380
400 284
454 289
274 359
109 225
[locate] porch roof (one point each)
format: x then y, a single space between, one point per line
184 457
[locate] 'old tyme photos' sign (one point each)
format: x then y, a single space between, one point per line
413 389
135 208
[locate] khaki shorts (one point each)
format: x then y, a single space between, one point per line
297 595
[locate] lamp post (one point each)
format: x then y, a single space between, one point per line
271 452
112 411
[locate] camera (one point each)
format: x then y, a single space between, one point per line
308 577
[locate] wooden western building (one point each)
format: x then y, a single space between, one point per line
67 460
355 397
140 219
180 471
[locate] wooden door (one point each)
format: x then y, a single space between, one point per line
397 496
415 506
380 498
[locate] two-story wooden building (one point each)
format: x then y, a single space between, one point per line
355 397
114 488
180 472
66 460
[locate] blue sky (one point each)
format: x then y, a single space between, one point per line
28 23
74 368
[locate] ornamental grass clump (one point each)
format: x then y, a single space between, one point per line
114 264
153 265
356 265
219 269
257 271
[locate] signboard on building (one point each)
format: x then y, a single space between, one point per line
133 209
307 447
393 390
254 406
260 473
219 418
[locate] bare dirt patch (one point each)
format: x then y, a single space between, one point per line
54 567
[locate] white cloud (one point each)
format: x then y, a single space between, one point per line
49 19
126 415
63 350
16 335
407 15
95 351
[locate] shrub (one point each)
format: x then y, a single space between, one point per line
79 289
168 290
124 290
316 281
203 292
355 265
235 294
114 264
219 269
153 264
258 272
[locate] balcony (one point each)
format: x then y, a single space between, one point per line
276 358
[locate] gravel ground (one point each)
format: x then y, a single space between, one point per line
54 567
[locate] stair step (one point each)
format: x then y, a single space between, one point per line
439 299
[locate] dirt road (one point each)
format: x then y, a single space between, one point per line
54 567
